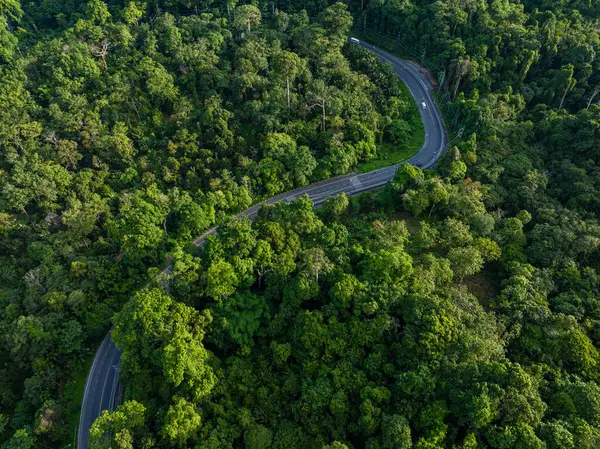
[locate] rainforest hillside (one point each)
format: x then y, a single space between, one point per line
455 308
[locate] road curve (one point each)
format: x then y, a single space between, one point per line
102 382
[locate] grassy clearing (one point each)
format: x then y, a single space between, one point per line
390 154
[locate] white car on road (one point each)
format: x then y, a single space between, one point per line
424 105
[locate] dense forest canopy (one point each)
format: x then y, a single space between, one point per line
455 308
127 132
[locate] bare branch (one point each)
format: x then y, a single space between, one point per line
101 50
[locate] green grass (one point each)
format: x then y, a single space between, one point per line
390 154
390 45
73 393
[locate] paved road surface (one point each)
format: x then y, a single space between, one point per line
102 381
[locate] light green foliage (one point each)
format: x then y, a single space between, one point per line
258 437
246 17
387 266
139 226
335 445
11 9
221 280
396 432
117 428
334 206
458 169
407 174
488 249
281 352
20 440
133 12
97 11
315 260
556 436
465 261
181 422
285 165
390 235
158 335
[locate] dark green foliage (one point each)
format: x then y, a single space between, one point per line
390 350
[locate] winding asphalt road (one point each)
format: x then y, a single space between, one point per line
102 383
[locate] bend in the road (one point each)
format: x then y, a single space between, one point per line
102 381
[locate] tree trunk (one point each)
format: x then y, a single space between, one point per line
564 95
441 82
323 120
457 84
596 90
430 211
288 91
447 79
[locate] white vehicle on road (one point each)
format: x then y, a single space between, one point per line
354 40
424 105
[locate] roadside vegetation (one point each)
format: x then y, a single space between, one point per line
402 138
393 153
404 134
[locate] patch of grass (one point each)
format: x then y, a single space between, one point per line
390 154
73 394
390 45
